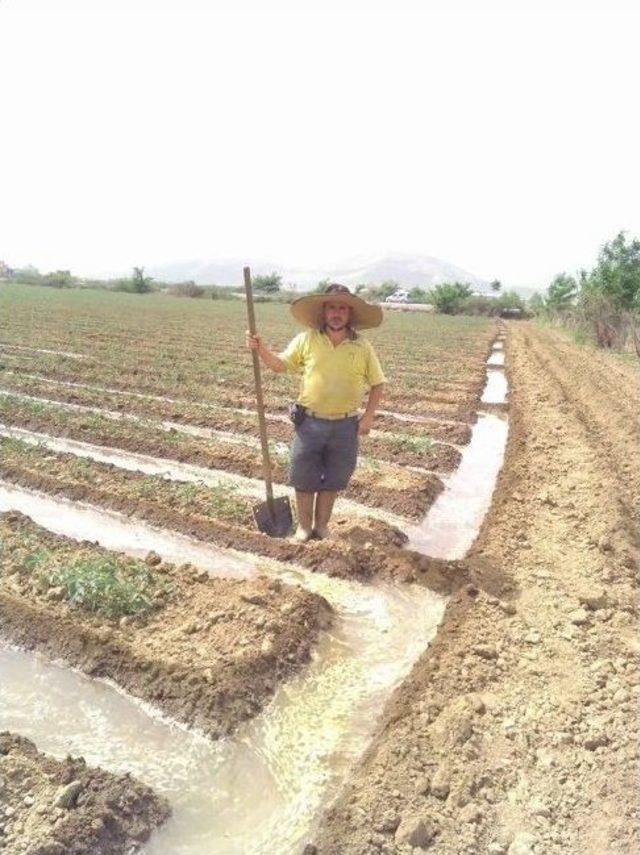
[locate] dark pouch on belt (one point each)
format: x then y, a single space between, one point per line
297 413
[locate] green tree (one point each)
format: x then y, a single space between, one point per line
269 283
561 293
59 279
535 303
448 297
29 275
511 300
140 284
617 273
496 285
418 295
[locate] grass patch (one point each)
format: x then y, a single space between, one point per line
369 463
106 586
220 500
279 454
406 442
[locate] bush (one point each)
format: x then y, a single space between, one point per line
418 295
448 297
270 283
480 305
59 279
186 289
138 283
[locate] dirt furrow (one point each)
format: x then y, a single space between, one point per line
517 731
357 548
403 492
169 635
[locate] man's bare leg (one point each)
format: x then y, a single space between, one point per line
304 506
324 507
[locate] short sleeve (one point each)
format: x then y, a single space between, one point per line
293 354
373 373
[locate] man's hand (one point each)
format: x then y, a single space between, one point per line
365 424
253 342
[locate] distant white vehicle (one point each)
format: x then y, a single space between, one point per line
398 297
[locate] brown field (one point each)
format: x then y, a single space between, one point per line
515 724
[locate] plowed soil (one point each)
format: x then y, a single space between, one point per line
386 486
201 415
52 807
517 731
358 548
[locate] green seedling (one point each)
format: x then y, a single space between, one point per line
108 587
414 444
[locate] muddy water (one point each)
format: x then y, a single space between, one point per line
454 519
116 531
495 392
259 791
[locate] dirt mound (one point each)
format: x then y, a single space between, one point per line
210 653
53 807
517 730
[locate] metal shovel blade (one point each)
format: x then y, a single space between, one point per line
276 521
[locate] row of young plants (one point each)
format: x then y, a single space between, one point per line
384 485
400 446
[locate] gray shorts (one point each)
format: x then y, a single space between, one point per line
324 454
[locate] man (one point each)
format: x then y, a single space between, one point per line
337 365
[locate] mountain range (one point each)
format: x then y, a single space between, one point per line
405 269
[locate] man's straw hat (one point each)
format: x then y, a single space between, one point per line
308 310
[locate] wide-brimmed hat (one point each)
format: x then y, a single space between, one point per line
308 310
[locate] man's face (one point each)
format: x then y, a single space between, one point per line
336 316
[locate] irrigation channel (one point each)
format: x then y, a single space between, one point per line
264 789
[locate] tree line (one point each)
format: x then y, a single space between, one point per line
601 304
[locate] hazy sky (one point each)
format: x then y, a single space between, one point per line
500 138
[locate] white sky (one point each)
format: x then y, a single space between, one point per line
502 139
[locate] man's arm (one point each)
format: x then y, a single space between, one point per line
270 359
366 420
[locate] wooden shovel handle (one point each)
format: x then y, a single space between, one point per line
259 399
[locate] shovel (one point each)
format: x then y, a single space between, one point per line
274 516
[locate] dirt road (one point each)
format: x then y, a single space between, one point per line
517 731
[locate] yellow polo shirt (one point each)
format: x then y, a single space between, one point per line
334 379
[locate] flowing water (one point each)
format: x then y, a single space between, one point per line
455 517
495 392
259 791
263 790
